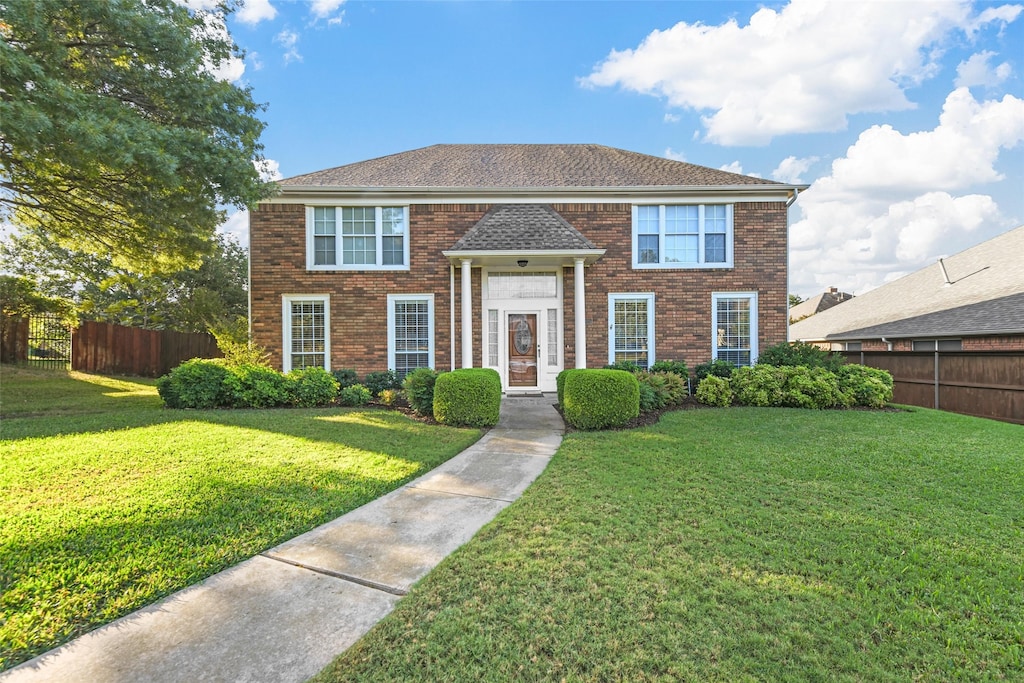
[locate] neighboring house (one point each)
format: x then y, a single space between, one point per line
817 304
523 258
972 301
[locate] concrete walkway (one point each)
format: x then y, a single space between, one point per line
286 613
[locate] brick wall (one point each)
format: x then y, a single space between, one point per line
985 343
359 298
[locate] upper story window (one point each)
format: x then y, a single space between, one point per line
357 238
682 236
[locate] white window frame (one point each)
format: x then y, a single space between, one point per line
286 327
627 296
392 298
755 331
339 240
700 263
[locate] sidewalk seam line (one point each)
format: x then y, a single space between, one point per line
460 495
383 587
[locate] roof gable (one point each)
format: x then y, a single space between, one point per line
494 166
523 227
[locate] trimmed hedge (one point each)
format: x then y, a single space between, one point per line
196 383
799 387
468 397
419 390
313 387
596 399
256 386
205 383
865 386
560 384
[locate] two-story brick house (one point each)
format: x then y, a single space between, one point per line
523 258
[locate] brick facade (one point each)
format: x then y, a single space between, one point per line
358 309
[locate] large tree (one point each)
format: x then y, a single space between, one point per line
116 138
189 300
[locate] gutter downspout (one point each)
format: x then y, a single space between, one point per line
886 342
451 310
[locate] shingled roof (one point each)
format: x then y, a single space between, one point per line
520 166
984 295
522 227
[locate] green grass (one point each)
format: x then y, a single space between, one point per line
109 502
732 545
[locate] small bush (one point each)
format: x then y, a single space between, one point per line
419 390
313 387
560 384
354 395
862 386
596 399
256 386
469 397
391 397
653 391
345 377
627 365
714 391
800 354
811 388
716 368
649 399
377 382
676 367
233 341
196 383
675 386
760 385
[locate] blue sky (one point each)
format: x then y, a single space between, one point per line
905 118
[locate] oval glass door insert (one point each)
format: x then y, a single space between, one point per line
523 339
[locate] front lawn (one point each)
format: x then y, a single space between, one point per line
731 545
109 502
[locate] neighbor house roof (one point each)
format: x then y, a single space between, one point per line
521 166
981 292
817 304
522 227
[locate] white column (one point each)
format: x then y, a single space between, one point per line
581 315
467 314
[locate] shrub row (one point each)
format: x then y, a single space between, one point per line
204 383
799 387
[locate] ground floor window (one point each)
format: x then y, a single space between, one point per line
937 345
734 327
410 332
306 332
631 328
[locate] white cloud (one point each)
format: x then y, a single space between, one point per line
889 206
977 71
790 169
734 167
672 118
288 39
798 70
230 69
254 11
1003 14
670 153
254 60
269 169
324 9
237 227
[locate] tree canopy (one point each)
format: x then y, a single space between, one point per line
116 138
211 295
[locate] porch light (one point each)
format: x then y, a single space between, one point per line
522 263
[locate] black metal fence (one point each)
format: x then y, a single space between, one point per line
49 342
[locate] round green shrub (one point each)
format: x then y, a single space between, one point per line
560 384
596 399
760 385
862 386
346 377
815 388
676 367
256 386
196 383
714 391
354 395
377 382
419 390
313 387
717 368
468 397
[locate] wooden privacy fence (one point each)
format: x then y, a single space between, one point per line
981 383
117 350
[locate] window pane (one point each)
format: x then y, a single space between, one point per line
359 250
647 220
714 248
412 335
324 251
648 246
630 343
393 220
553 336
950 345
358 220
681 248
682 219
492 338
308 334
512 285
733 330
394 251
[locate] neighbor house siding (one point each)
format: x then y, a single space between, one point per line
983 343
358 299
